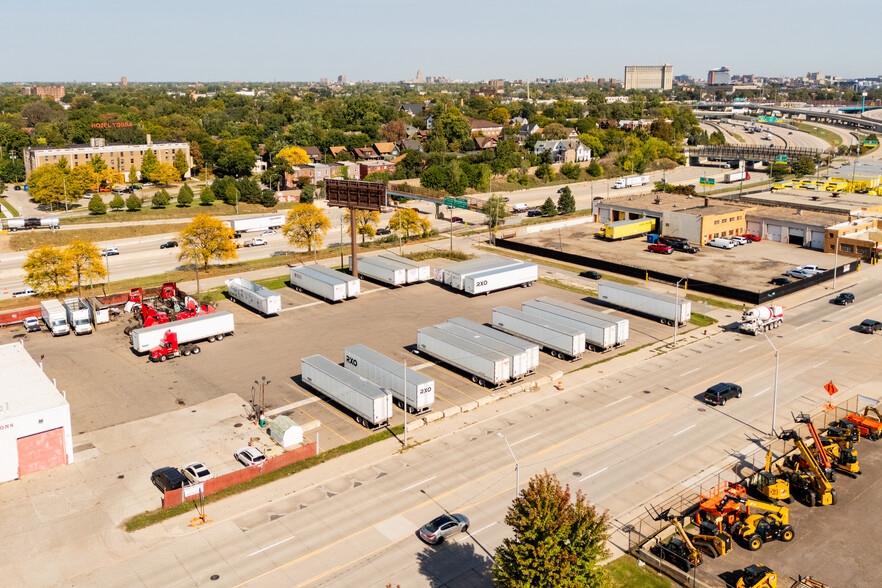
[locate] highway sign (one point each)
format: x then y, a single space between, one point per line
781 159
456 202
706 181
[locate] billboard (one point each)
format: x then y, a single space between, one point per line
356 194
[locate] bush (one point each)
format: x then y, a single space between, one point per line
594 169
133 203
117 202
571 171
185 196
545 172
206 198
548 208
268 199
97 206
307 194
161 199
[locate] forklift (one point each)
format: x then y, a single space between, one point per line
756 529
811 482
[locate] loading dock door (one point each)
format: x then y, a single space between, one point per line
774 232
41 451
817 241
755 228
796 237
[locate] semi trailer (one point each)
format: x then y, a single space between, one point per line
415 391
560 340
306 279
371 404
664 307
254 296
206 327
521 274
600 335
484 366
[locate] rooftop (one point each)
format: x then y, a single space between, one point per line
675 202
105 146
24 388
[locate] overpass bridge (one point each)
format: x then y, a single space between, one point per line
844 119
750 154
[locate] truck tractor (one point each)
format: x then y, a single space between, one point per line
756 529
169 348
760 319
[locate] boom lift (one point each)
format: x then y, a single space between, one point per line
756 529
812 483
823 456
680 551
721 505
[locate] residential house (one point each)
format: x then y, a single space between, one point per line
413 109
316 172
313 153
564 150
571 133
337 151
387 151
485 128
411 131
405 144
486 142
518 121
365 168
526 130
365 153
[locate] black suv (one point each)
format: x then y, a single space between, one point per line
844 299
718 394
683 246
869 326
168 479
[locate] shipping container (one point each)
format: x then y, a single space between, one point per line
416 272
304 278
418 391
454 275
482 364
560 340
261 299
256 223
214 326
353 285
662 306
381 271
519 359
599 335
531 348
622 324
371 404
522 274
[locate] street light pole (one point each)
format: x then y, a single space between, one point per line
404 402
677 307
517 465
836 260
775 389
450 214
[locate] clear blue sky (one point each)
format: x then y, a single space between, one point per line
387 40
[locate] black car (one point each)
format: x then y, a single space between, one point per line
17 187
718 394
780 281
168 245
534 213
870 326
168 479
384 232
591 274
456 219
683 246
844 299
237 235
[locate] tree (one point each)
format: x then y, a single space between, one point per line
234 157
365 222
779 170
85 262
554 131
206 197
717 138
48 271
231 195
268 199
97 163
133 203
394 130
499 115
110 177
556 542
307 194
185 196
116 202
548 208
166 174
409 221
571 171
133 174
293 156
2 186
544 171
566 203
180 163
205 239
160 199
96 205
494 210
803 166
197 157
149 166
452 126
306 226
595 170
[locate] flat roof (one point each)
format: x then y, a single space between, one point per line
809 217
675 203
24 388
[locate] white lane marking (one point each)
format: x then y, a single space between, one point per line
801 326
746 348
690 372
303 305
468 536
762 392
417 484
868 341
617 401
818 364
525 439
271 546
683 431
422 366
600 471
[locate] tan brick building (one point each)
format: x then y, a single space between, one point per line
117 156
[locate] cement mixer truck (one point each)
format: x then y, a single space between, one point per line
762 318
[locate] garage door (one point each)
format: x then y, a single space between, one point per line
755 228
41 451
774 232
796 236
817 241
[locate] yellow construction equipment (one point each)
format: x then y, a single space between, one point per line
755 529
838 442
811 482
711 540
769 485
757 576
680 551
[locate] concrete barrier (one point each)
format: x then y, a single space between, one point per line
485 400
433 416
452 411
469 406
411 425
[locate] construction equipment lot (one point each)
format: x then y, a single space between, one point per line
835 544
748 266
108 384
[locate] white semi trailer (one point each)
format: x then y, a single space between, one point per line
416 391
371 404
255 296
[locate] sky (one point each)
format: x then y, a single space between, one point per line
389 40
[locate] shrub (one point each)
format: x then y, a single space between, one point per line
133 203
97 206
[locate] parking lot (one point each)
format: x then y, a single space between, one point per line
748 266
107 384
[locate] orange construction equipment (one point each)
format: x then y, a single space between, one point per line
823 458
868 426
721 504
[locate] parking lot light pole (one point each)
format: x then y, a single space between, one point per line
450 211
775 389
517 465
677 307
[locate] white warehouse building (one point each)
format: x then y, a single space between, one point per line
35 430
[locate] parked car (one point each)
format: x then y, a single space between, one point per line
534 213
684 247
751 237
591 274
844 299
384 231
196 472
457 219
780 281
660 248
869 326
109 251
718 394
168 245
17 187
168 479
437 530
249 456
739 240
721 243
799 274
237 235
31 324
811 269
25 292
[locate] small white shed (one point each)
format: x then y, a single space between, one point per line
285 431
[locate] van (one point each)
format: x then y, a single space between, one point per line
721 243
25 292
520 207
718 394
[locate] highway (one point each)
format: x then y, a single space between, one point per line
624 433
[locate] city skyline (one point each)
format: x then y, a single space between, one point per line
202 41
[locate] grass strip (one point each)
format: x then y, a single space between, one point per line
700 320
173 212
152 517
626 572
455 255
25 241
569 287
612 357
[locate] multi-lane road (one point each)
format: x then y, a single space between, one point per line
624 432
